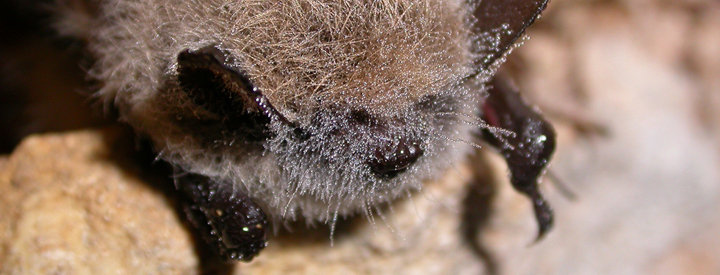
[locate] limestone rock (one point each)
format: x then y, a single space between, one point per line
74 204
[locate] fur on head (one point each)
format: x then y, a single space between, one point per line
355 75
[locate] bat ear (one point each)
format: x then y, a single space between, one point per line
212 84
500 23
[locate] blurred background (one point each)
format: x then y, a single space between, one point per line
632 87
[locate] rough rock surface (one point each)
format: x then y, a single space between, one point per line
74 204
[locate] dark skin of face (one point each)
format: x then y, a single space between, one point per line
236 227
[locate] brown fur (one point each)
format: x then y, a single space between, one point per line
302 54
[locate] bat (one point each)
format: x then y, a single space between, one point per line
273 111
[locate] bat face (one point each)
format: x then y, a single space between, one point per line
362 97
339 152
309 108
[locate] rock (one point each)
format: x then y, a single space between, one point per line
74 204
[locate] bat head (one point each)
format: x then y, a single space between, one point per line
316 108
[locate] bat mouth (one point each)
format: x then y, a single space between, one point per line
340 137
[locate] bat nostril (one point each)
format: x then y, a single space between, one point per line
392 159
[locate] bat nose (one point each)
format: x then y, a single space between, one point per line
393 158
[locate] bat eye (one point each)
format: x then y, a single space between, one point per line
394 158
